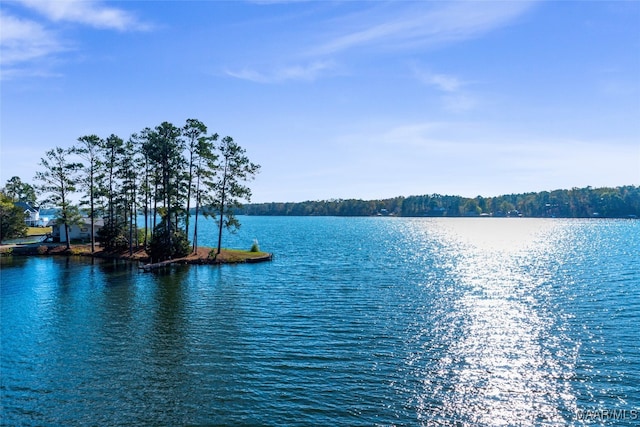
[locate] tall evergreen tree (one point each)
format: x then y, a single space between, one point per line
167 153
17 190
112 152
235 169
88 149
193 131
128 174
144 150
205 171
58 179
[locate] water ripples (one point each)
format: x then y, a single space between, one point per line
367 321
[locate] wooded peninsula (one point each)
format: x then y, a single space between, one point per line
159 173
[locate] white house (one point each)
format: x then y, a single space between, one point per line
76 232
31 214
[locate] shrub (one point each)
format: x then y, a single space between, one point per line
255 247
111 237
140 235
171 246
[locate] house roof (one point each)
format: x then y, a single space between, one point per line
98 222
27 207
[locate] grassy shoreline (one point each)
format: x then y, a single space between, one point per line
202 256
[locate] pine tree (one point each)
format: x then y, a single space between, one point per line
204 172
88 149
58 182
235 169
193 131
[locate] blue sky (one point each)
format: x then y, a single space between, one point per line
334 99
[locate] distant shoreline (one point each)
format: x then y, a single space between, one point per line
443 216
588 202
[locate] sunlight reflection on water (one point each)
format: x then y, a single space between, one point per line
505 362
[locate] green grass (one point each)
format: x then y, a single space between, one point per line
38 231
238 255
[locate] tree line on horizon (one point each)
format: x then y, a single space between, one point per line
162 173
588 202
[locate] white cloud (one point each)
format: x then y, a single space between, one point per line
90 13
444 82
308 72
380 27
455 98
24 40
420 24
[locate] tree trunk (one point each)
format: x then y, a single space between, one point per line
132 220
167 191
155 206
92 212
222 196
195 225
66 232
93 238
221 224
146 224
147 191
188 214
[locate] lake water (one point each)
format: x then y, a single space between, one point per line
356 322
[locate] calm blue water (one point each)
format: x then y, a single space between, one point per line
356 322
